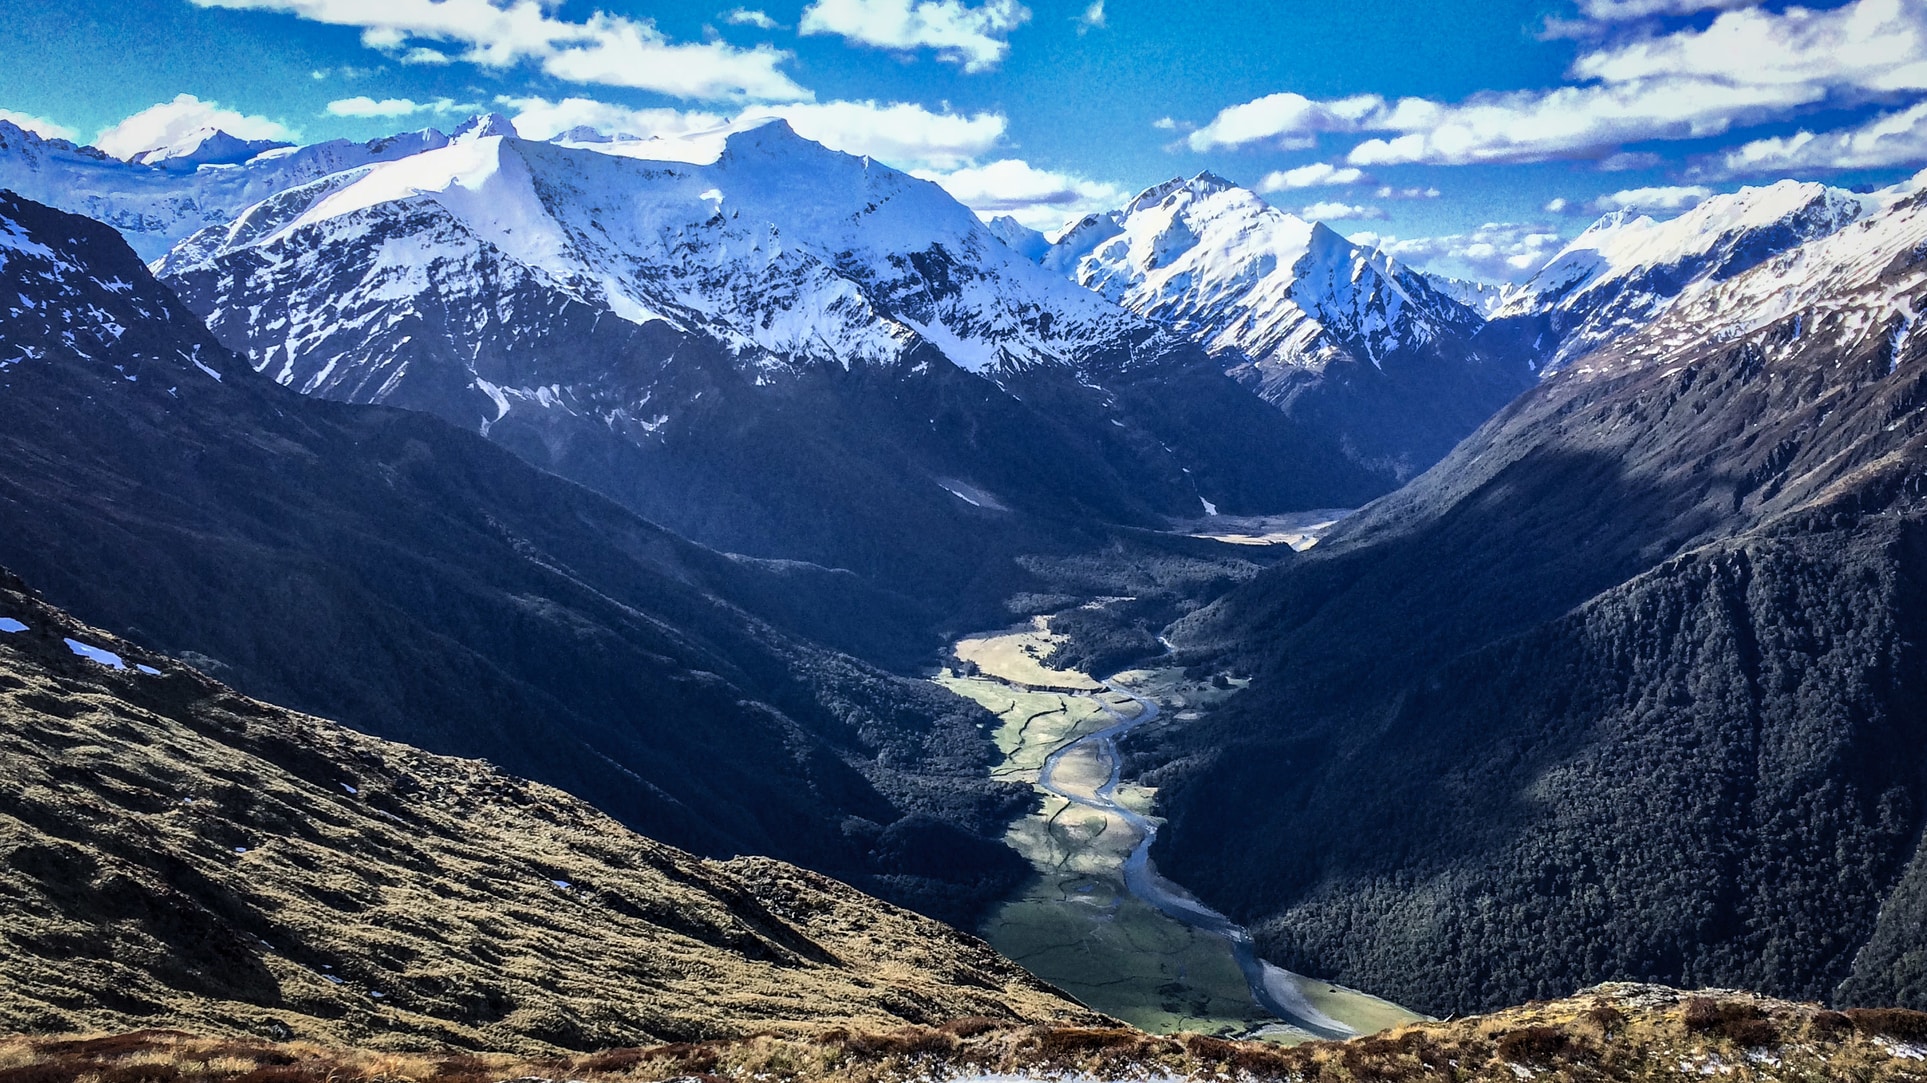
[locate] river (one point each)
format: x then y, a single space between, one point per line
1099 920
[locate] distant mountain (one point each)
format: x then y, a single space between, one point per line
1022 239
1626 270
382 568
766 345
205 146
1630 686
1484 298
1343 340
174 854
164 195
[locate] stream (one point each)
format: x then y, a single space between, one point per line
1275 989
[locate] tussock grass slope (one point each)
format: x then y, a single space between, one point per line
175 854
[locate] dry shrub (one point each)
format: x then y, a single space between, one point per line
1063 1043
1605 1017
1206 1048
972 1026
1908 1026
904 1042
608 1060
1533 1045
1825 1024
1742 1024
687 1058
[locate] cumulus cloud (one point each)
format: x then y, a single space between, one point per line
976 38
1284 116
1386 191
1748 65
540 118
423 55
1664 198
40 126
749 17
1496 251
1315 175
364 106
1625 10
167 123
899 134
1890 139
1092 18
605 49
1336 210
1559 205
1039 198
1873 45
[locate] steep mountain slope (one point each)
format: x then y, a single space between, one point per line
1629 686
1340 338
166 193
771 347
1627 269
382 568
174 854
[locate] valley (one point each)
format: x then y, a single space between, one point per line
1096 919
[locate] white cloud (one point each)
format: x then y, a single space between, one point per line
749 17
364 106
1496 251
40 126
1165 124
903 135
974 37
1386 191
1332 210
1286 115
1887 140
1568 122
1661 198
1039 198
1092 18
1873 45
166 123
1626 10
539 118
422 55
605 49
1315 175
1558 205
899 134
1748 65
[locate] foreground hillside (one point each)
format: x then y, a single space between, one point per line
173 853
1630 685
384 569
1613 1032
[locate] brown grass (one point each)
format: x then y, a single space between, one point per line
1615 1034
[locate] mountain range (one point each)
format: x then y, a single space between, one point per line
662 471
1628 683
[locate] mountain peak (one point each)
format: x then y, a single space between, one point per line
204 146
483 125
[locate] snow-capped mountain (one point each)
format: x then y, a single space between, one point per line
1217 263
166 193
1297 312
1022 239
788 253
1626 270
1858 290
767 345
204 146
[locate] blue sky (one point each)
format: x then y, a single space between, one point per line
1472 137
